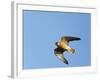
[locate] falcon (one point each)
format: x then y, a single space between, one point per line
63 45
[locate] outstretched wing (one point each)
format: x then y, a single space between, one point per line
59 53
69 38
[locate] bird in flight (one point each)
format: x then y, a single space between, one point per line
63 45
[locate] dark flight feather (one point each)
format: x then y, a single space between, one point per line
59 53
69 38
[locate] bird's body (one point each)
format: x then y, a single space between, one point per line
63 45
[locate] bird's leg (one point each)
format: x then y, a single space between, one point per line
70 50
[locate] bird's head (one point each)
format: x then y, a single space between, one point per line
57 43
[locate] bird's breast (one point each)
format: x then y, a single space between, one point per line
63 45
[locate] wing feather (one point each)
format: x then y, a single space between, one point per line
59 53
69 38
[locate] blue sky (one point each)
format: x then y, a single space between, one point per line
41 29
